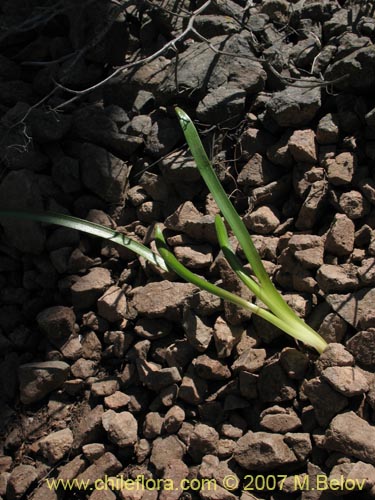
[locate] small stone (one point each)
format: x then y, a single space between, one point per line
248 385
333 328
250 360
300 443
194 256
93 451
163 299
103 173
279 420
274 385
226 336
116 401
175 472
40 378
334 355
198 333
340 237
166 451
89 428
211 369
263 220
192 388
362 347
340 170
112 304
87 289
104 388
84 368
312 206
325 400
221 104
354 205
173 419
91 347
328 130
351 435
258 171
336 278
56 445
302 146
106 465
347 380
203 441
262 451
57 322
121 427
152 425
20 479
294 106
307 249
294 362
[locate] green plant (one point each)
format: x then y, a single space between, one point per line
278 312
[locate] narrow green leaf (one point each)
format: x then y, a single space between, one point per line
232 258
89 228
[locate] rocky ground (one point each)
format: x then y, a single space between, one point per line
110 367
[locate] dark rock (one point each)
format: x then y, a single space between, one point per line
211 369
121 427
91 124
295 363
354 205
335 278
112 304
302 146
163 137
66 174
313 205
165 451
351 435
40 378
334 355
103 173
262 451
355 308
356 69
106 465
197 332
199 69
24 235
20 479
294 106
87 289
361 346
190 221
56 445
88 427
340 237
223 104
346 380
257 172
274 385
328 130
325 400
193 389
279 420
263 220
57 322
251 360
203 441
162 300
48 126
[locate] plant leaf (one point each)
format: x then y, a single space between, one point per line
89 228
